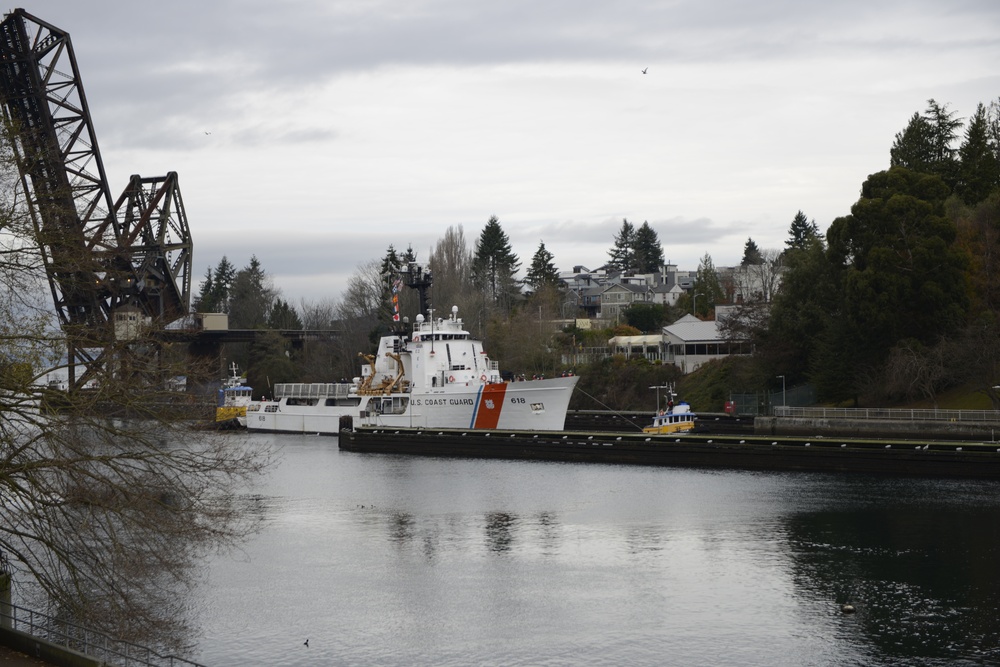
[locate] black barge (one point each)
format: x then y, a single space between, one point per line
912 457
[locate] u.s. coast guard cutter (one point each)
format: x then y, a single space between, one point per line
434 376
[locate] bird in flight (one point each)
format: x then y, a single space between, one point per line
644 70
305 643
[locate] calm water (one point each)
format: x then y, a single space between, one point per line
389 560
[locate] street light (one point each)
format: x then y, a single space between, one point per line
670 391
782 389
694 304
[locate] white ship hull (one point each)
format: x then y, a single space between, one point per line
531 405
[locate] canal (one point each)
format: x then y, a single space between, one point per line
396 560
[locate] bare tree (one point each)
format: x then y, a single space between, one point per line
758 281
107 498
451 264
319 315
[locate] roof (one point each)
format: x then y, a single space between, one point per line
628 287
689 328
645 339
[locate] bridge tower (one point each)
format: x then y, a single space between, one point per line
129 256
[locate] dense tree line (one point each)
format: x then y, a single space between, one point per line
899 299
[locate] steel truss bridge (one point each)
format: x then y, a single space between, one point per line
107 260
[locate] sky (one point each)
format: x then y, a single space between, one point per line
315 133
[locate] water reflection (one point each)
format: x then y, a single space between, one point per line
397 561
922 576
499 531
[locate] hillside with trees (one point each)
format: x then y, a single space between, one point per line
896 300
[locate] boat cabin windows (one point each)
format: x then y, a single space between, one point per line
302 401
342 401
388 405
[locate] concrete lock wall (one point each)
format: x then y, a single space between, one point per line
877 428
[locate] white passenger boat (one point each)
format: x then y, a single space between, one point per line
435 376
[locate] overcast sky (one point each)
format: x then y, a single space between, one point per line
314 133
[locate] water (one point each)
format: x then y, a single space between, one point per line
394 560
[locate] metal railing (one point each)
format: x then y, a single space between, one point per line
312 390
84 640
896 414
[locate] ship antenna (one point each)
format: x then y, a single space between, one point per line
420 280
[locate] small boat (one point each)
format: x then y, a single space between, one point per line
233 399
677 419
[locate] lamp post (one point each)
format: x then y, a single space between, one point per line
694 304
670 391
782 389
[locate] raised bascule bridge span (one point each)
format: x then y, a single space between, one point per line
108 260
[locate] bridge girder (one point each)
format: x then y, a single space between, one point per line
99 254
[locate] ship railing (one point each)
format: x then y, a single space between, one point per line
312 390
893 414
89 642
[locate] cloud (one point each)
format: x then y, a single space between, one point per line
316 133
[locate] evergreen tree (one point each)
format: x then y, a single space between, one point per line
283 316
979 170
390 286
542 272
494 266
903 277
751 254
646 317
215 289
270 364
252 297
912 147
707 290
648 250
925 145
202 303
802 232
623 252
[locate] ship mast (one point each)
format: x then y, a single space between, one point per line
420 280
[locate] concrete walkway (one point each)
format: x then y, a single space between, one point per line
11 658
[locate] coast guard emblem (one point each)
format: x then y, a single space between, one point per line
489 404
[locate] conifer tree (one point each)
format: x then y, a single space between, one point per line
251 297
979 170
542 272
925 145
283 316
623 252
707 290
648 250
751 254
494 266
216 288
801 232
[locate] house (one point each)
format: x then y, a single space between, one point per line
667 295
617 297
690 342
